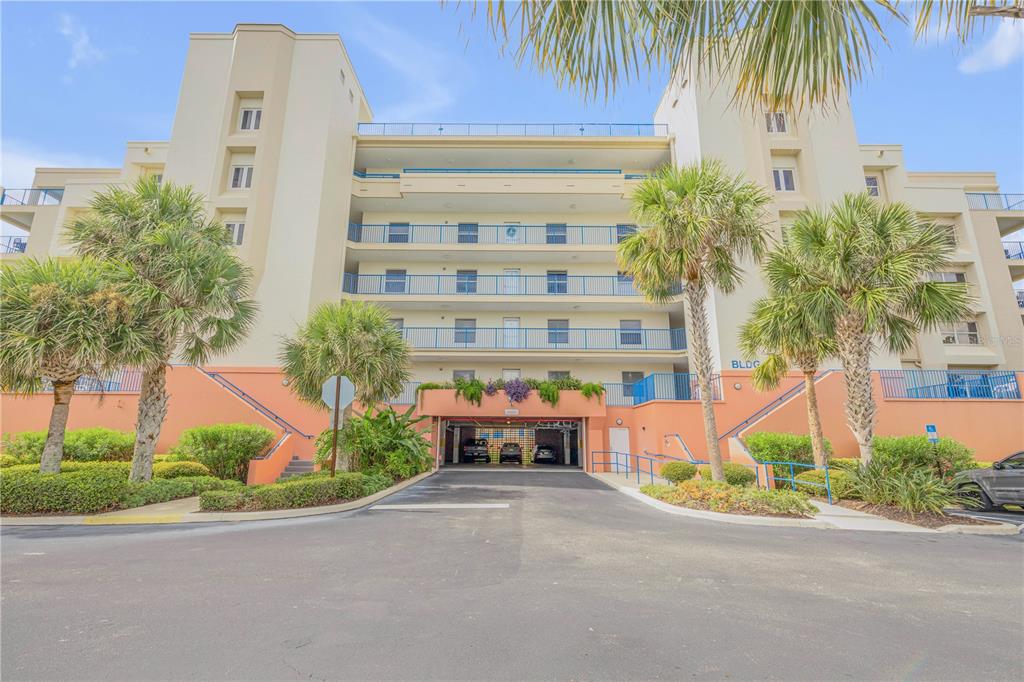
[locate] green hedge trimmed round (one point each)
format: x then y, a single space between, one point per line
179 469
735 474
307 491
673 472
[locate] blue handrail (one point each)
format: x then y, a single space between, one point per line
364 174
13 244
1013 250
791 479
953 384
516 129
624 467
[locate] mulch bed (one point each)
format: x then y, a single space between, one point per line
925 520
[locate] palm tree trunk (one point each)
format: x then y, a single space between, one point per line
855 354
814 421
150 418
53 449
700 361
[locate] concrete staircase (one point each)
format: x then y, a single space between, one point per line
295 467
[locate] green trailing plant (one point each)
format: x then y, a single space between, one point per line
591 389
548 392
470 390
569 383
433 386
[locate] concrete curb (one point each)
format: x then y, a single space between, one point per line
208 517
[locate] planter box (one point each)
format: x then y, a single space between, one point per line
441 402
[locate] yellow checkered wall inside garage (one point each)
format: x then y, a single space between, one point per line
507 434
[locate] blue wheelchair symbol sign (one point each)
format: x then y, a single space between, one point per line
932 433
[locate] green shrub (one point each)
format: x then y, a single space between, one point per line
548 392
847 464
179 469
943 459
177 457
222 500
470 390
307 491
383 440
591 389
735 474
726 498
226 449
840 481
766 446
569 383
913 490
86 490
673 472
8 461
80 445
433 385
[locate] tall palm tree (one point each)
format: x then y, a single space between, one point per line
859 271
783 53
780 330
180 263
701 222
351 339
59 321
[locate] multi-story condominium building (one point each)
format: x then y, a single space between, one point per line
493 245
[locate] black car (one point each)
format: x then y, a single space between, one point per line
510 452
990 488
474 449
545 454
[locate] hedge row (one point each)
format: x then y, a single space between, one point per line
304 491
80 445
726 498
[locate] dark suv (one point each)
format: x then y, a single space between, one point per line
511 452
474 449
1001 484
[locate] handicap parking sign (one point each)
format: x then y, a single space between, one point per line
932 433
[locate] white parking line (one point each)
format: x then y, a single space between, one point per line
442 505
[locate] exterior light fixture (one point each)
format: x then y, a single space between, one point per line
737 385
618 422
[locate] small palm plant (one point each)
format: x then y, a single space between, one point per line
351 339
859 272
703 221
780 330
180 264
59 321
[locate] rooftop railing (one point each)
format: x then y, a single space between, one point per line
125 380
545 338
551 234
515 129
13 244
490 285
940 384
995 201
660 386
33 196
1014 250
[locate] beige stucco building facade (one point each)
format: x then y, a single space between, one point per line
494 244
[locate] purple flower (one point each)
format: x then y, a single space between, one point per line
517 390
490 388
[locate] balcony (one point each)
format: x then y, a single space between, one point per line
935 384
490 285
660 386
1020 299
1013 250
34 196
13 244
994 201
470 234
545 339
514 129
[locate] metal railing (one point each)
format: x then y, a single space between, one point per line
490 285
629 464
33 196
995 201
659 386
549 234
941 384
1020 299
790 468
364 175
124 380
1013 250
13 244
254 403
545 338
516 129
513 171
407 396
772 405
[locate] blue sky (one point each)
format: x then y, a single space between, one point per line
80 79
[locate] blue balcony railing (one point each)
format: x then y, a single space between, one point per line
995 201
490 285
660 386
34 196
550 234
516 129
13 244
125 380
1014 250
940 384
545 338
364 175
514 171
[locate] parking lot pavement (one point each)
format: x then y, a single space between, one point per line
490 575
1014 517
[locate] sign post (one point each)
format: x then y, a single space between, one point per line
932 433
338 393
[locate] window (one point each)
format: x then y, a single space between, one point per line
236 231
465 331
241 177
398 233
250 119
953 277
510 374
395 282
775 121
397 322
469 233
464 374
159 178
950 232
1014 461
623 231
961 334
624 284
628 380
558 374
555 233
784 181
558 282
871 182
629 333
465 282
558 332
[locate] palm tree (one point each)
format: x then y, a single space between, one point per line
781 330
702 222
860 273
782 53
59 321
181 265
351 339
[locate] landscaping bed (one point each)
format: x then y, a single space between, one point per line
732 499
309 490
923 519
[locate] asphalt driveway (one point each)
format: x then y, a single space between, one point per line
507 575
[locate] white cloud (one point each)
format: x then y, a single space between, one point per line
83 52
19 160
1004 47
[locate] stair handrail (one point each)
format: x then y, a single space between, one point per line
685 448
276 447
770 406
255 404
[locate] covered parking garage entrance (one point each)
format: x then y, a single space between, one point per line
462 437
